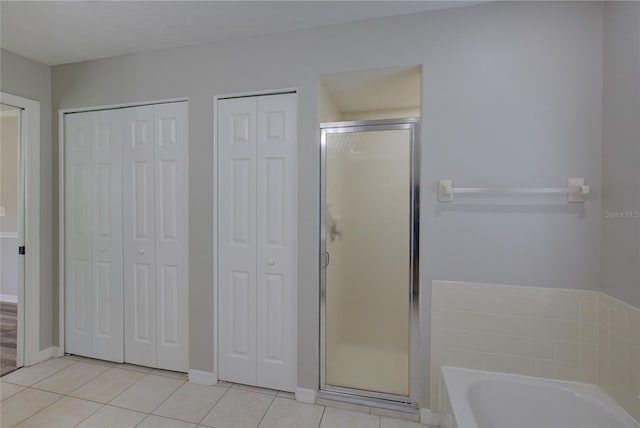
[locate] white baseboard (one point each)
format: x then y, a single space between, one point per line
305 395
427 417
45 354
202 378
9 298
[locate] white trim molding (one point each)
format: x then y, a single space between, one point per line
305 395
427 417
45 354
202 378
29 290
9 235
8 298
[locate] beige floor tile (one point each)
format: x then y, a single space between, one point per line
107 385
285 394
238 409
399 423
90 360
147 394
191 402
69 378
9 389
285 413
343 405
24 404
115 417
135 368
169 373
272 392
29 375
66 412
337 418
395 414
153 421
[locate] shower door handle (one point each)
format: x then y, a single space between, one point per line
325 259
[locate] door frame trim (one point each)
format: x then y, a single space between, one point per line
413 125
28 337
215 312
61 195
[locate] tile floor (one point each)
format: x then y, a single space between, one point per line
74 391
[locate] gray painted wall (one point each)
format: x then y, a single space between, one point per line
30 79
512 96
621 152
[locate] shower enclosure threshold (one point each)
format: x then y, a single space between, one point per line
369 401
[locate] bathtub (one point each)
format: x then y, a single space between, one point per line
478 399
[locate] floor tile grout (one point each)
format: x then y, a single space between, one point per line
214 404
266 411
228 386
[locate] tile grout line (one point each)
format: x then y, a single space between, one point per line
40 380
38 411
265 412
214 404
324 409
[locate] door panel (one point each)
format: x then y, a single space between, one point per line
139 237
107 240
78 303
276 246
368 211
171 159
237 240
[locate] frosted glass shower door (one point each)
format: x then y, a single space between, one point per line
367 260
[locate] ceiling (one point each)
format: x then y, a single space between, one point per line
59 32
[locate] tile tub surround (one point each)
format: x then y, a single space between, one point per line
619 352
532 331
124 395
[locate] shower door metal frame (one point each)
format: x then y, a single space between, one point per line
351 394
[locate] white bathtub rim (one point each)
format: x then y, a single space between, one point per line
464 415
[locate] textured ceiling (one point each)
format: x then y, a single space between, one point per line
59 32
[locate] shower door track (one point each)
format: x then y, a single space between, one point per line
357 396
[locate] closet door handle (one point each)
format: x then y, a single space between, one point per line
140 251
271 262
103 249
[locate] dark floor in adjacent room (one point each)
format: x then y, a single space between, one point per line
8 336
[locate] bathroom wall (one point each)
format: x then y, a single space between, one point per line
512 96
619 352
9 200
30 79
534 331
619 314
621 153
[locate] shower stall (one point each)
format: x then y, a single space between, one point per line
369 262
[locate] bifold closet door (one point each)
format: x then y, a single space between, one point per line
156 236
257 240
93 189
139 237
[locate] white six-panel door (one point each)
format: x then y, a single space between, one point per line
126 227
106 217
93 225
257 240
139 237
237 239
78 231
172 235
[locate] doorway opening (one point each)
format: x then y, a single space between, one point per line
11 231
369 224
